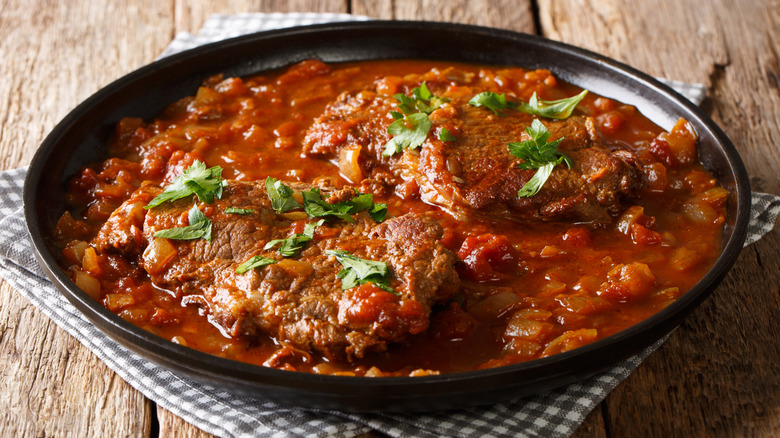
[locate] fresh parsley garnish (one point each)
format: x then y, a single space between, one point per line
195 180
237 210
553 109
538 153
316 206
412 124
409 132
199 228
254 262
281 196
492 101
361 271
293 244
445 135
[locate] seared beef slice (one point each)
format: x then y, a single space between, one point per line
476 174
298 300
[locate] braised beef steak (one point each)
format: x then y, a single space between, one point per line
476 174
298 300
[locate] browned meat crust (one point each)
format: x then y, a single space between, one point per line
476 174
300 300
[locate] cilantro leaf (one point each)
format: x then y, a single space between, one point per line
195 180
553 109
199 228
378 212
409 132
293 244
412 124
237 210
492 101
534 185
445 135
254 262
361 271
538 153
280 195
315 206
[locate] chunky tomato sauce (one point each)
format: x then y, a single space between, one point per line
528 289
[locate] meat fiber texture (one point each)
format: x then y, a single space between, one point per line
476 174
298 300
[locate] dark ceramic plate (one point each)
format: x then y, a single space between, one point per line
81 138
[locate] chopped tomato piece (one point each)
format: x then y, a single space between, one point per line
483 254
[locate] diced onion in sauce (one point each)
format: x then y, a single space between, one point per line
348 163
89 284
158 255
295 267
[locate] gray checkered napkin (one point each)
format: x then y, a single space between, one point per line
556 413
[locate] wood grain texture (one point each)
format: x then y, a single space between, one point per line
718 374
172 426
506 14
189 16
51 385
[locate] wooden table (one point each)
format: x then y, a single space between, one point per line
716 376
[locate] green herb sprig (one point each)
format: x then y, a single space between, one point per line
412 124
552 109
538 153
238 210
195 180
281 196
361 271
291 246
254 262
314 205
199 228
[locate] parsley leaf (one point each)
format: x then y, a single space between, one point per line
378 211
553 109
199 228
445 135
492 101
254 262
412 124
237 210
292 245
195 180
409 132
361 271
281 196
315 206
538 153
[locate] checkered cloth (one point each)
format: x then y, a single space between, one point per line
556 413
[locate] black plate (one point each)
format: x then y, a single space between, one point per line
81 138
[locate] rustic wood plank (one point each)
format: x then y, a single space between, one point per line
190 15
593 426
720 365
172 426
718 374
648 37
507 14
55 54
50 385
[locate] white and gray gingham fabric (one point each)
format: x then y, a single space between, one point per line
556 413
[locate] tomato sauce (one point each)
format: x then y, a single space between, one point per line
528 290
